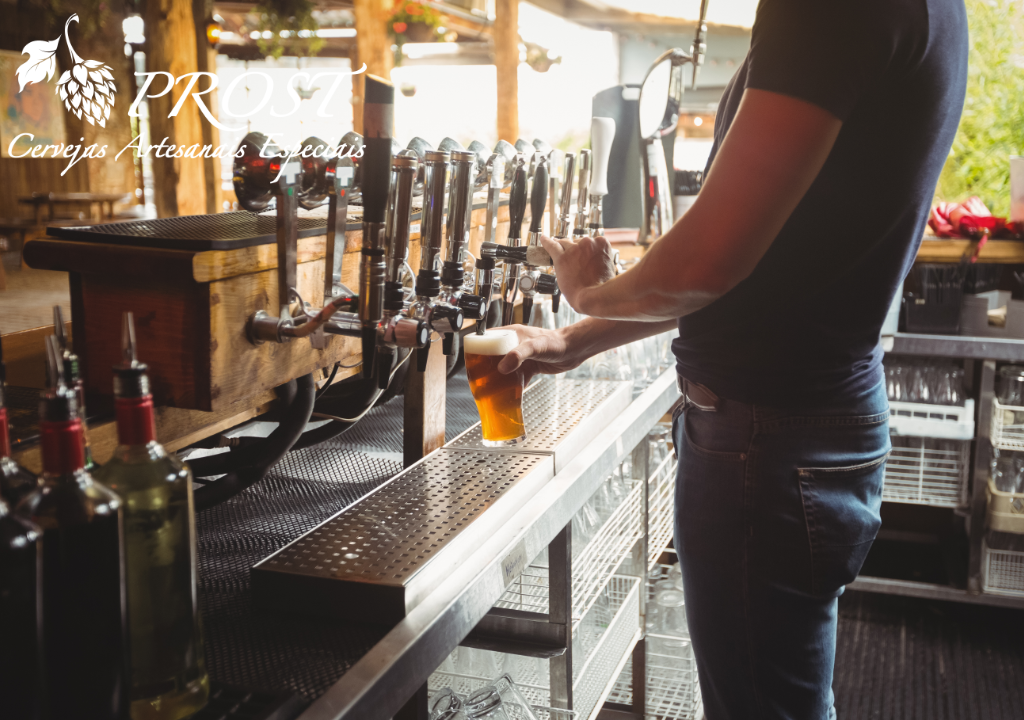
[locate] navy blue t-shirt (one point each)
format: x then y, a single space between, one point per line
804 327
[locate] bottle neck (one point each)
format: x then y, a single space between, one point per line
5 438
63 446
136 424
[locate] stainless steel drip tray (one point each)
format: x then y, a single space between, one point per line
561 417
376 560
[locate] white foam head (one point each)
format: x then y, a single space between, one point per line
495 341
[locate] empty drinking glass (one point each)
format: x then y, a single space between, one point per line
446 705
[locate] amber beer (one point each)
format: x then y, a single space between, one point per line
499 398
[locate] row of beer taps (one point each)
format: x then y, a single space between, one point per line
392 309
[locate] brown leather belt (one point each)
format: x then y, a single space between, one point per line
697 394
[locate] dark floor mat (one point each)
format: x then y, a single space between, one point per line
910 659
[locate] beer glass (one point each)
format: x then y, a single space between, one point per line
499 398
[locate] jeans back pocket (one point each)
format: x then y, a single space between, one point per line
841 508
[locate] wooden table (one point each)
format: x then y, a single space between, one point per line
50 200
9 227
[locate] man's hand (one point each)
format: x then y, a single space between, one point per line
580 266
541 352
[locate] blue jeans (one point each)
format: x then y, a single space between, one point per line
776 510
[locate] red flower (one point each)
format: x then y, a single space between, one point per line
414 9
399 27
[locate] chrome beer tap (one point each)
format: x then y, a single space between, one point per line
530 281
398 329
580 228
453 275
262 173
440 316
516 212
602 132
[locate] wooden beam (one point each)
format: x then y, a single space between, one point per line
506 61
180 183
950 250
373 47
206 57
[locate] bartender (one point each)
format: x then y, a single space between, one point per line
828 144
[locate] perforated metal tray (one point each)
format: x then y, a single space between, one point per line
379 558
561 417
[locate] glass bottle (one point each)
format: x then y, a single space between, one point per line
84 635
19 589
73 379
169 679
15 481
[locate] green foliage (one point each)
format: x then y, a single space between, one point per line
992 127
295 19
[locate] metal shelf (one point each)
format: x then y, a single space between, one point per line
958 346
932 591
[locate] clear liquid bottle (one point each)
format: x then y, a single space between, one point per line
168 672
83 642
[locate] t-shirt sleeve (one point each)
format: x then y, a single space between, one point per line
827 52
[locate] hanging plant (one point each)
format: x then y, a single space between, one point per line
288 24
416 23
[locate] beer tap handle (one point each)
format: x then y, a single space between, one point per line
385 360
517 203
602 133
527 308
580 228
422 356
562 229
538 200
534 255
473 306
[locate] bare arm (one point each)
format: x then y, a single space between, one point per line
547 352
772 153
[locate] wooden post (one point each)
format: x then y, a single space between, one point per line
206 57
373 47
179 183
506 61
423 430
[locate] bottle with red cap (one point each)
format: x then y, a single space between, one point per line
168 673
15 481
83 636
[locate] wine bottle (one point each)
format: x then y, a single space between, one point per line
84 639
73 379
15 481
168 673
20 693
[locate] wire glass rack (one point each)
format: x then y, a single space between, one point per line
926 471
591 568
1007 426
1003 572
601 644
673 692
660 508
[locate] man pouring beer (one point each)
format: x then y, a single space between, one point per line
828 145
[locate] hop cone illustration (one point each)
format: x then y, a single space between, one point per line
88 87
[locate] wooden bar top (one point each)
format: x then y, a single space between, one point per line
950 250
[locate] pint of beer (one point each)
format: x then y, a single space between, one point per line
499 398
